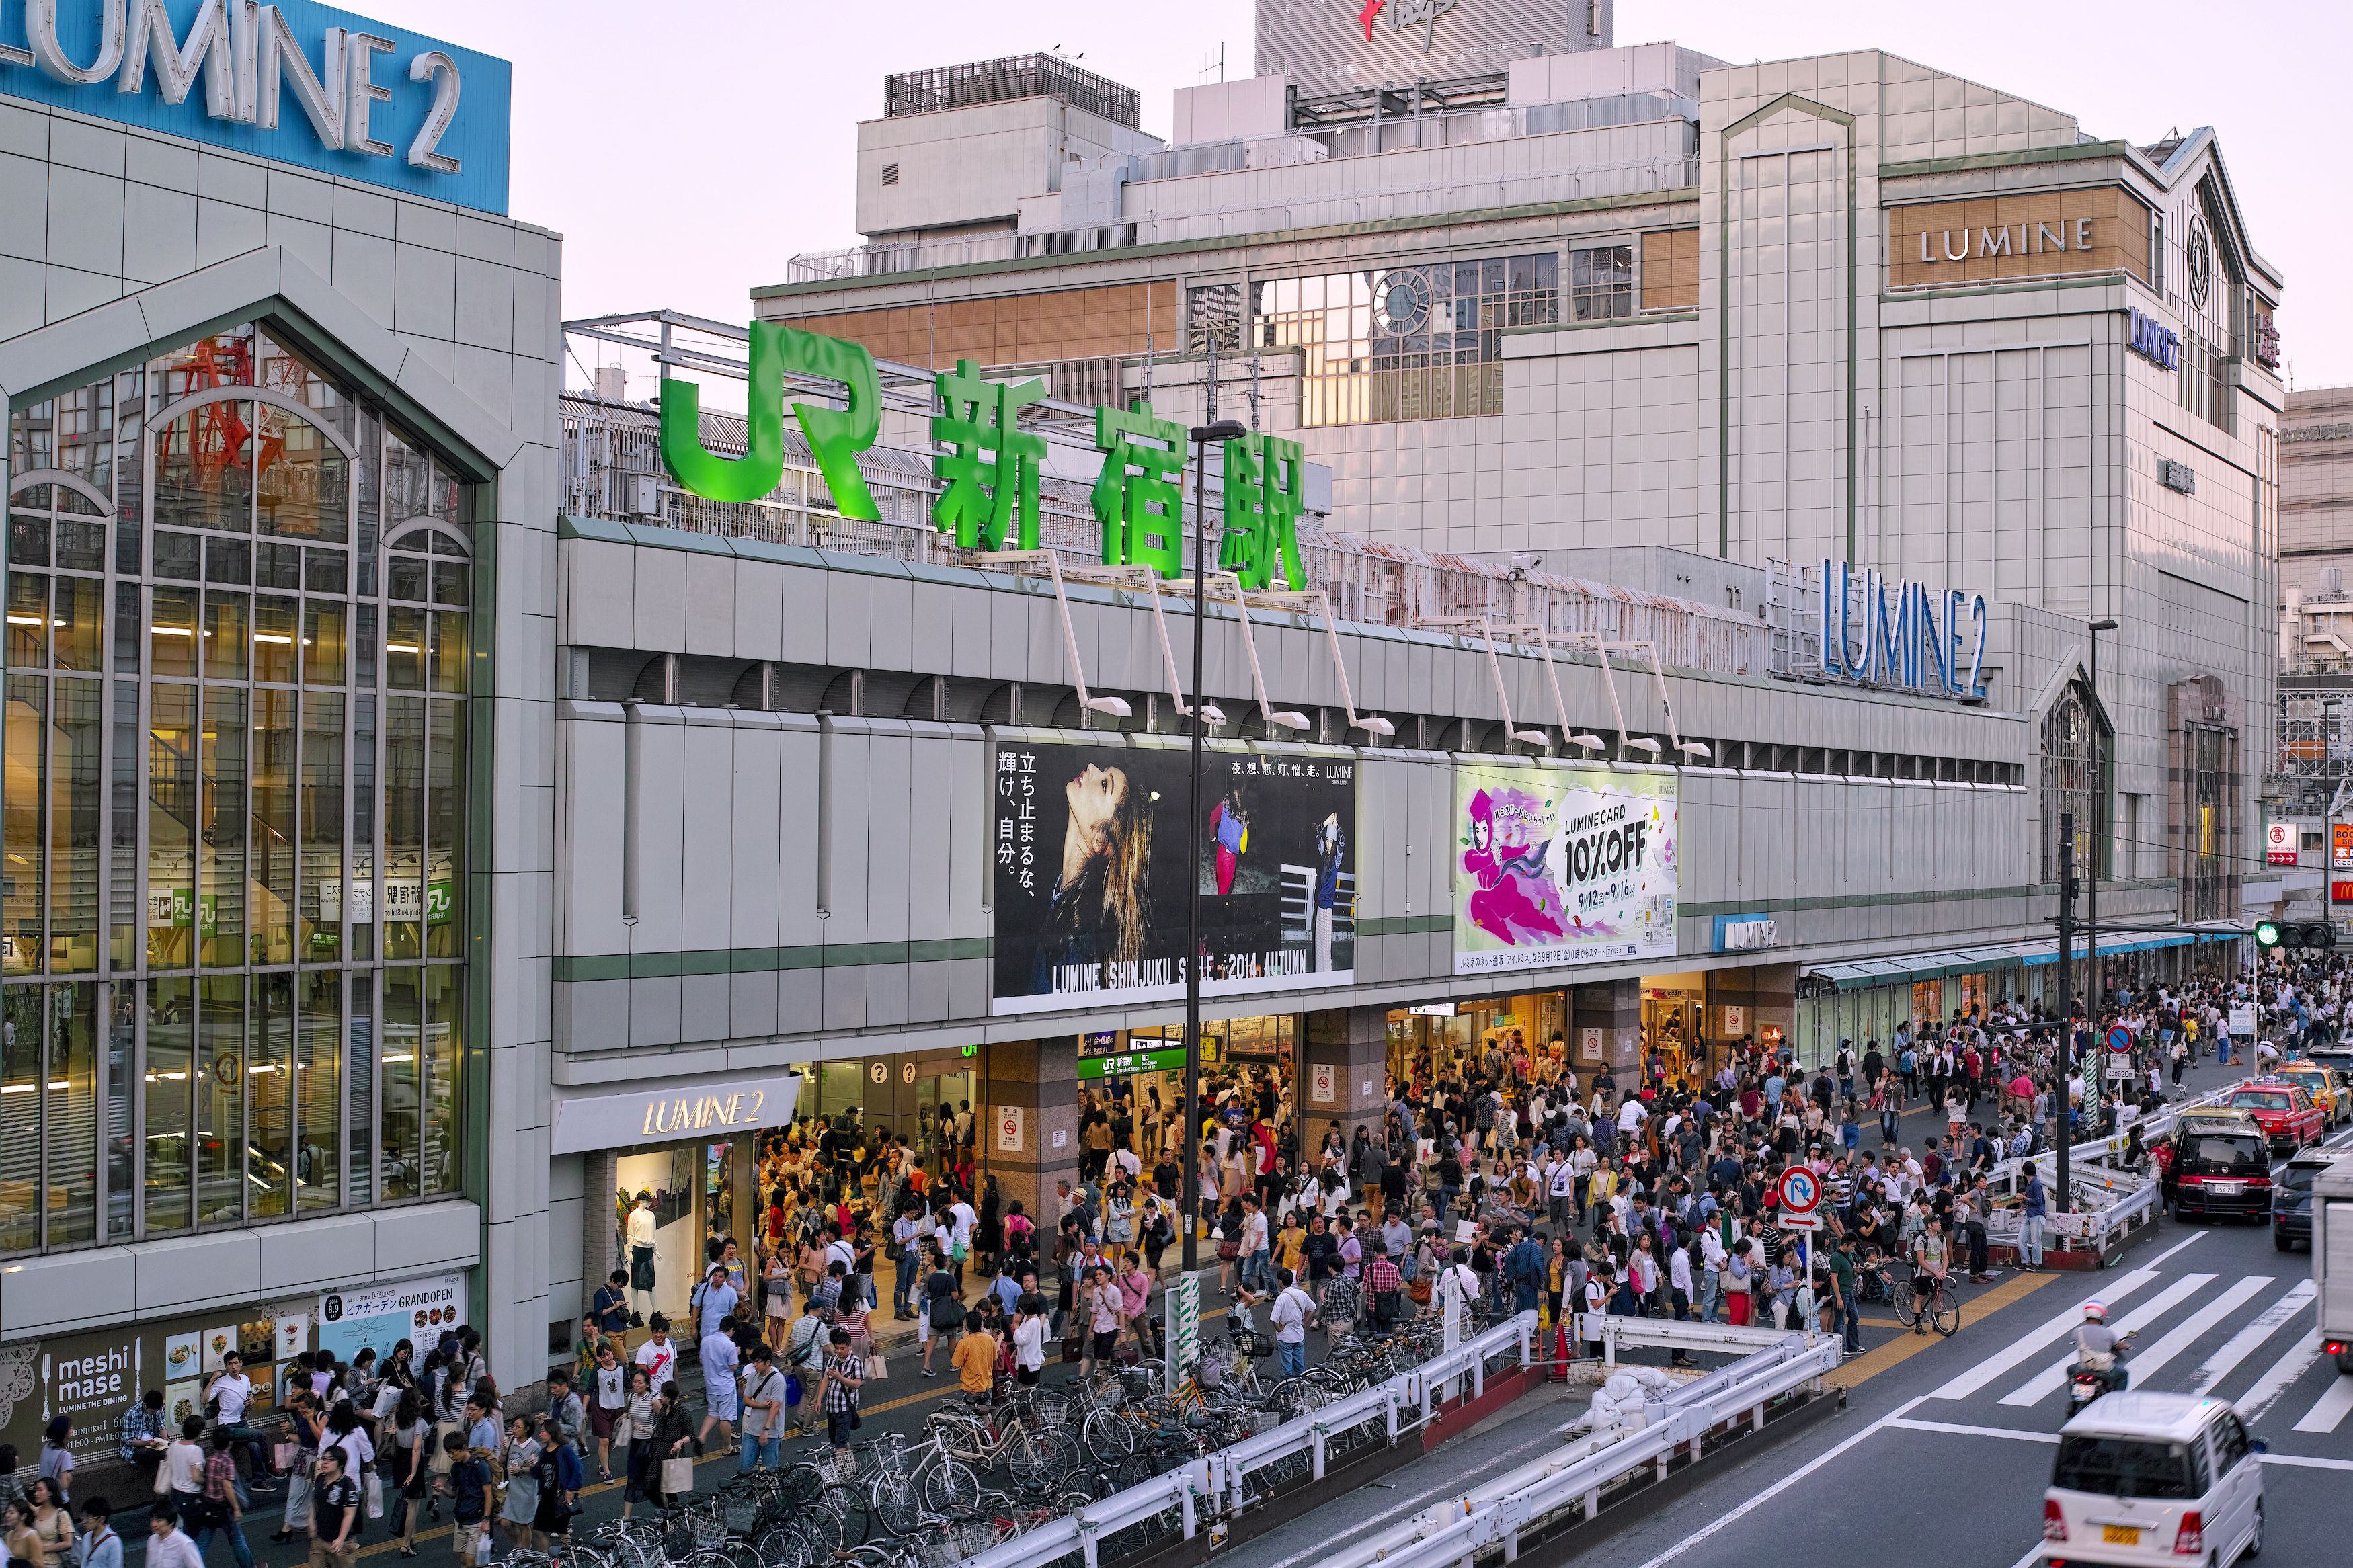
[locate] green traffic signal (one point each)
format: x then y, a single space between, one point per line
2267 933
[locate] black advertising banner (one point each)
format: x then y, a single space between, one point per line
1089 847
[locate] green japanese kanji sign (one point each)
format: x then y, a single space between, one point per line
1262 504
438 903
1139 497
835 435
988 471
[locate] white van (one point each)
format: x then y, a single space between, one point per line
2154 1479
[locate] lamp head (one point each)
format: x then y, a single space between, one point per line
1223 430
1290 720
1374 726
1115 705
1643 743
1694 748
1591 742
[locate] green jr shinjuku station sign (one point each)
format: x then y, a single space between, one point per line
988 467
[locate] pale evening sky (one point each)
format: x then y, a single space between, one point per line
686 150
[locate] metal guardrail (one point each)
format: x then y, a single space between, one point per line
1215 1483
1575 1479
2109 1203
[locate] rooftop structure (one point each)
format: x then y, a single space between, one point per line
1002 81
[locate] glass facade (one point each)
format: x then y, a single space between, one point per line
233 813
2069 783
1602 283
1404 342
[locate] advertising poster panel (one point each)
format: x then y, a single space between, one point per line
1561 866
1087 844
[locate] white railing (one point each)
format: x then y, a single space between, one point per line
1214 1484
2107 1203
1576 1477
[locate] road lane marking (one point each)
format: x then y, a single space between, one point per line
2330 1409
2307 1462
2275 1381
1901 1347
1960 1430
1757 1500
2052 1378
2021 1350
2146 1363
2177 1247
2247 1341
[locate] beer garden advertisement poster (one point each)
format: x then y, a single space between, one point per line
1088 854
1562 866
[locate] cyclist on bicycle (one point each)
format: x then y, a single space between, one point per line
1930 1264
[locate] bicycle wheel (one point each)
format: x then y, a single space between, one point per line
784 1547
948 1485
841 1517
1907 1307
1944 1312
1107 1433
1036 1461
894 1501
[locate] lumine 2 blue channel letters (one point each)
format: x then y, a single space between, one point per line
293 81
1915 643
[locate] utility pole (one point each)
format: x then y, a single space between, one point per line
2066 1057
1189 1203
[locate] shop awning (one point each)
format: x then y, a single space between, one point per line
1897 968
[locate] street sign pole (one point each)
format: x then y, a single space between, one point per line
1183 1346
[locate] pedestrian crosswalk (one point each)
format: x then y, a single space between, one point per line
2198 1331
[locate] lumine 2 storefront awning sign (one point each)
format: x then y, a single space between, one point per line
987 466
385 105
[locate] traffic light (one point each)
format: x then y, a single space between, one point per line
2320 935
2316 936
2268 933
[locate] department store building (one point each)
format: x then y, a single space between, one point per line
430 821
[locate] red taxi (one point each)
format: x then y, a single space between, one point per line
2284 1110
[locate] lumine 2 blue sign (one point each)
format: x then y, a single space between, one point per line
293 81
1916 641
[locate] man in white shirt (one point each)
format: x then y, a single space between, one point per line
657 1355
168 1545
907 1233
235 1391
1631 1113
1559 1188
721 1364
1292 1312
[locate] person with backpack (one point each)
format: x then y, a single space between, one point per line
943 1315
803 1363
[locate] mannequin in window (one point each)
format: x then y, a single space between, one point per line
641 1256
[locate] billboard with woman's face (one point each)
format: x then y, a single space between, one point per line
1089 845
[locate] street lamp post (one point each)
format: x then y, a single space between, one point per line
1190 1207
2100 846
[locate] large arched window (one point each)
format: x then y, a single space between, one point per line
2072 769
232 805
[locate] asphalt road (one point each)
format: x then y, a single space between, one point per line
1945 1446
